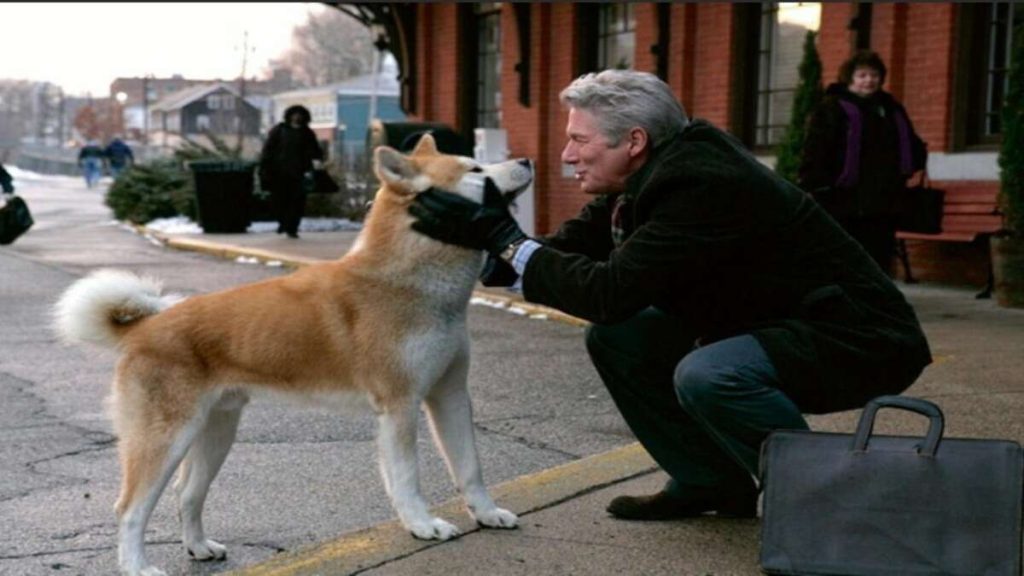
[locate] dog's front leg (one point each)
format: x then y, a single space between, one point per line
451 420
401 475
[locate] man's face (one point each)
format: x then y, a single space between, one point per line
600 167
866 81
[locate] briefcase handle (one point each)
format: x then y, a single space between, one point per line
922 407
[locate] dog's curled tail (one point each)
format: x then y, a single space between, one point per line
101 307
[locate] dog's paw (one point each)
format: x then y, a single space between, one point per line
207 550
434 529
497 518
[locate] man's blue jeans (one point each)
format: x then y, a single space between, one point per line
701 412
93 169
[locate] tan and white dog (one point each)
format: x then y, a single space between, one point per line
386 323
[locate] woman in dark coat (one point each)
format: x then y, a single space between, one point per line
860 150
290 152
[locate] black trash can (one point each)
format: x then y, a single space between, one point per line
224 191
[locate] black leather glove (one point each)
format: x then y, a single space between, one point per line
453 219
498 273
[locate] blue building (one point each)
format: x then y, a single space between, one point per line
341 112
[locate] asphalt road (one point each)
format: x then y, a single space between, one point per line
296 476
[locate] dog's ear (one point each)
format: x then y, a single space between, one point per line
395 168
426 145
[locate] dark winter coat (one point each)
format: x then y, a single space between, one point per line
119 153
288 153
719 241
858 153
90 151
6 181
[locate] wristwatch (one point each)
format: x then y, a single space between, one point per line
510 251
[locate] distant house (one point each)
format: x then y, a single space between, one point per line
194 112
137 94
341 111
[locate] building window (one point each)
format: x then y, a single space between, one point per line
202 122
488 60
771 51
987 30
616 36
213 102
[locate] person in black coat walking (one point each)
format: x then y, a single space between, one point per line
289 156
724 301
119 157
859 151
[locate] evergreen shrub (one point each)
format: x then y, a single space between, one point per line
808 96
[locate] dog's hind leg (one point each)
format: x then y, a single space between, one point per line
397 438
150 451
200 467
450 414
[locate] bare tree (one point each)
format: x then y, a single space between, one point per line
328 48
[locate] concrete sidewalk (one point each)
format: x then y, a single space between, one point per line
976 380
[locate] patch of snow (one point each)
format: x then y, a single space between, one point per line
174 225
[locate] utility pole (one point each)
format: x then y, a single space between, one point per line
145 110
60 120
239 118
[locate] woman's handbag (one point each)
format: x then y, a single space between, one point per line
15 219
919 208
323 183
319 182
868 505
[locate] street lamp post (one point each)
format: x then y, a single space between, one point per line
121 98
145 110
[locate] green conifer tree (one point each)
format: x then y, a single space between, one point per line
1011 152
808 95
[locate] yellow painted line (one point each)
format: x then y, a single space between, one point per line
232 252
379 544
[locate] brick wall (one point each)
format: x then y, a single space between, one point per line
916 40
928 71
712 71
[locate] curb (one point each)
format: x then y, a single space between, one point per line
375 546
232 252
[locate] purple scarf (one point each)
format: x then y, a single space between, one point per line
851 168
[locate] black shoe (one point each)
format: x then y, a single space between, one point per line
293 235
664 506
280 229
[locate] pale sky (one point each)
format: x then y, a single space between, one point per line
84 47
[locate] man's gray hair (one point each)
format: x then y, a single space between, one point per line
621 100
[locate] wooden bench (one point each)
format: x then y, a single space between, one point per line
968 214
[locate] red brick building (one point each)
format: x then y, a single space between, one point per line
503 64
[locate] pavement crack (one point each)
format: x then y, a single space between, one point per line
57 552
276 548
529 442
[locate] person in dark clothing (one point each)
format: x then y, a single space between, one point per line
289 156
6 181
119 156
859 151
724 302
90 160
